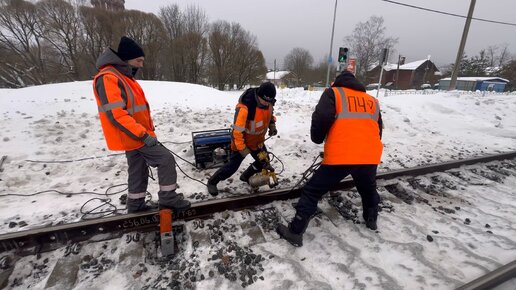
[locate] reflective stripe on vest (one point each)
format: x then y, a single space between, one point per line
237 128
252 125
133 109
111 106
354 136
346 114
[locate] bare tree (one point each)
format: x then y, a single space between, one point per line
172 18
187 44
195 43
222 48
21 34
249 65
102 29
509 72
299 63
498 55
367 43
235 57
113 5
318 73
62 30
147 30
12 69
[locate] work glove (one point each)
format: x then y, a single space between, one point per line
244 152
272 129
149 140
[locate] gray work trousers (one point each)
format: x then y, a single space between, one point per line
138 161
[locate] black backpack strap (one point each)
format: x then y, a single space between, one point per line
248 98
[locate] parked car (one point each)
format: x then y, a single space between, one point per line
426 87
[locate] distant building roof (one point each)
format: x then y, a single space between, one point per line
276 76
408 66
477 79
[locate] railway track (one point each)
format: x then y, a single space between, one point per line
41 240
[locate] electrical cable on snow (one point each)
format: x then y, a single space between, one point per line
69 193
112 209
307 172
72 160
180 169
276 157
105 201
95 157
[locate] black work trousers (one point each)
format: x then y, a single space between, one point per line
325 178
235 160
138 161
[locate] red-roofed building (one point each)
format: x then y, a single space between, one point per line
411 75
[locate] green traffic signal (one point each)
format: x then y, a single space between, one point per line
343 54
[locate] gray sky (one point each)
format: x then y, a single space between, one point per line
281 25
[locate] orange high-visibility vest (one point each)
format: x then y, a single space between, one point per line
354 137
123 110
250 132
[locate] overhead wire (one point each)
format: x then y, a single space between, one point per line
448 13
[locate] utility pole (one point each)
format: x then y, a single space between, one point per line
426 69
274 74
453 82
398 72
331 46
385 57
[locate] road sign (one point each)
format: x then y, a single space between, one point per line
352 65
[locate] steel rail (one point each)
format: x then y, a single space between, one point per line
492 279
49 238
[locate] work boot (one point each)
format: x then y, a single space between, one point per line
371 224
139 205
250 171
212 185
284 232
370 215
173 200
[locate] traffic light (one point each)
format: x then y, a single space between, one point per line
343 54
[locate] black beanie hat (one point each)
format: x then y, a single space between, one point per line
267 91
129 49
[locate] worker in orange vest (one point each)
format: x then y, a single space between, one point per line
127 125
253 118
351 123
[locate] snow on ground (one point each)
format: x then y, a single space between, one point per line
56 124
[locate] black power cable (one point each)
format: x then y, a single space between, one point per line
311 169
105 201
276 157
112 209
72 160
179 167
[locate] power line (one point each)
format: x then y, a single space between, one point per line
450 14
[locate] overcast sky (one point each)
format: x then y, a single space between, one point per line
281 25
